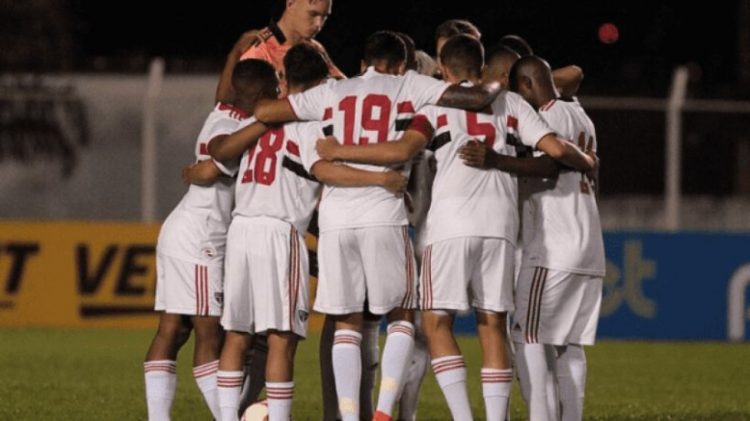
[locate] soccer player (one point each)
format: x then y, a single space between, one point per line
560 285
364 249
300 22
470 235
190 260
266 280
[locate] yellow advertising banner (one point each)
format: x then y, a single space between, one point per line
80 274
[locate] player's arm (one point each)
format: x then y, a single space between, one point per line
224 90
479 155
470 98
274 111
340 175
566 153
232 146
203 173
568 79
396 152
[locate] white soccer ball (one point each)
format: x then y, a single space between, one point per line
256 412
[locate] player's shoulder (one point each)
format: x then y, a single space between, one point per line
304 129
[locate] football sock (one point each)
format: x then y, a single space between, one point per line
571 379
229 384
161 383
347 371
399 346
496 384
279 396
533 371
205 378
451 376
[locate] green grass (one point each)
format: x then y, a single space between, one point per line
97 375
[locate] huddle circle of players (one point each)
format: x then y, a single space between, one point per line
511 158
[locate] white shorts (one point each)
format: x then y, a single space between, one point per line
466 272
556 308
188 288
266 277
376 263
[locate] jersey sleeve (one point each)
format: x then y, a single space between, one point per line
257 52
531 127
310 104
306 137
424 90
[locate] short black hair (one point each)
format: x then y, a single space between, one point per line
255 78
453 27
304 65
500 52
463 54
517 44
411 50
385 46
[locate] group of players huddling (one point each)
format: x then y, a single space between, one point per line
511 227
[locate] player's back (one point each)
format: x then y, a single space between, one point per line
561 219
467 201
203 213
371 108
273 181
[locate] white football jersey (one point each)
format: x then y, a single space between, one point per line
273 180
468 201
201 219
560 216
371 108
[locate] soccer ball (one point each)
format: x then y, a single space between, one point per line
256 412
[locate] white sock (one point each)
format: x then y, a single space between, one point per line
533 371
496 385
451 376
399 346
571 379
205 378
279 396
420 359
229 385
161 383
347 371
370 355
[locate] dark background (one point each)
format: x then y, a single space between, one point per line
713 39
195 36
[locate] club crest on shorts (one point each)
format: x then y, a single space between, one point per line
219 296
209 252
303 315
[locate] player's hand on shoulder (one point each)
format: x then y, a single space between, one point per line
394 182
327 147
247 40
477 154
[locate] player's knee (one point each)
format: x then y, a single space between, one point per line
174 330
436 321
492 319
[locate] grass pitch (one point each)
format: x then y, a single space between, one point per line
97 375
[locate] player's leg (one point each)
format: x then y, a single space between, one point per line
534 368
390 274
571 361
279 374
208 341
255 372
444 290
340 295
237 319
160 366
327 381
408 402
176 299
493 263
231 375
497 373
347 364
370 362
